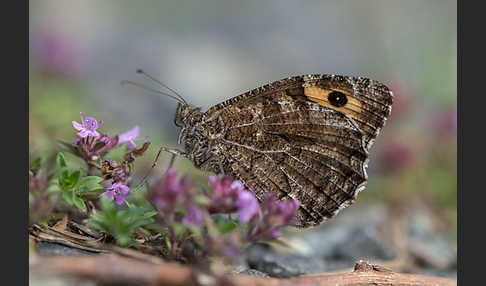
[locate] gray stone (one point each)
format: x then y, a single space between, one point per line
363 242
350 236
282 265
428 246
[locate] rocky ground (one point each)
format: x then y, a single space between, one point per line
407 240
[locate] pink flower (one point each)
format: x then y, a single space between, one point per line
194 216
109 143
288 209
118 192
247 206
169 192
224 194
274 215
129 137
87 127
279 213
229 195
276 233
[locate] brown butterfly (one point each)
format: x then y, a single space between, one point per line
305 137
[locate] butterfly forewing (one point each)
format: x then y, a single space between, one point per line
305 138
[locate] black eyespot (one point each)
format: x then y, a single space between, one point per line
337 98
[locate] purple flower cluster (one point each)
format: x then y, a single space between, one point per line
264 222
92 144
130 137
174 199
87 127
228 196
274 215
170 194
118 192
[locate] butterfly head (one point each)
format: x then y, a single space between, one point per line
187 115
188 118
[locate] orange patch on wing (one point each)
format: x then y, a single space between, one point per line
320 95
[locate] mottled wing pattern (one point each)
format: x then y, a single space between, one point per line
287 138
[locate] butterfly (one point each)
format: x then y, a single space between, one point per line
305 137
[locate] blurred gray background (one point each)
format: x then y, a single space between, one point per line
210 51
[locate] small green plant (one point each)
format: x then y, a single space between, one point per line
121 223
189 217
73 185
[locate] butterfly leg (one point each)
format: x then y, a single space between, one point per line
174 152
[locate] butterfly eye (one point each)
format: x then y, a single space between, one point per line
178 116
337 98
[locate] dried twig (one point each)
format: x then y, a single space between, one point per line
110 268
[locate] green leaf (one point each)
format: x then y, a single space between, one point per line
131 167
179 228
67 146
60 160
202 200
53 186
64 180
74 178
96 224
34 167
157 228
89 184
228 226
68 198
141 222
123 239
78 202
108 206
167 241
150 214
121 223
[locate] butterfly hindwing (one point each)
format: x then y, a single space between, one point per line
305 138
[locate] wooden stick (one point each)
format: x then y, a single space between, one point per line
110 268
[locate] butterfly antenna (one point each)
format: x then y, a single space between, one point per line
153 90
140 71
